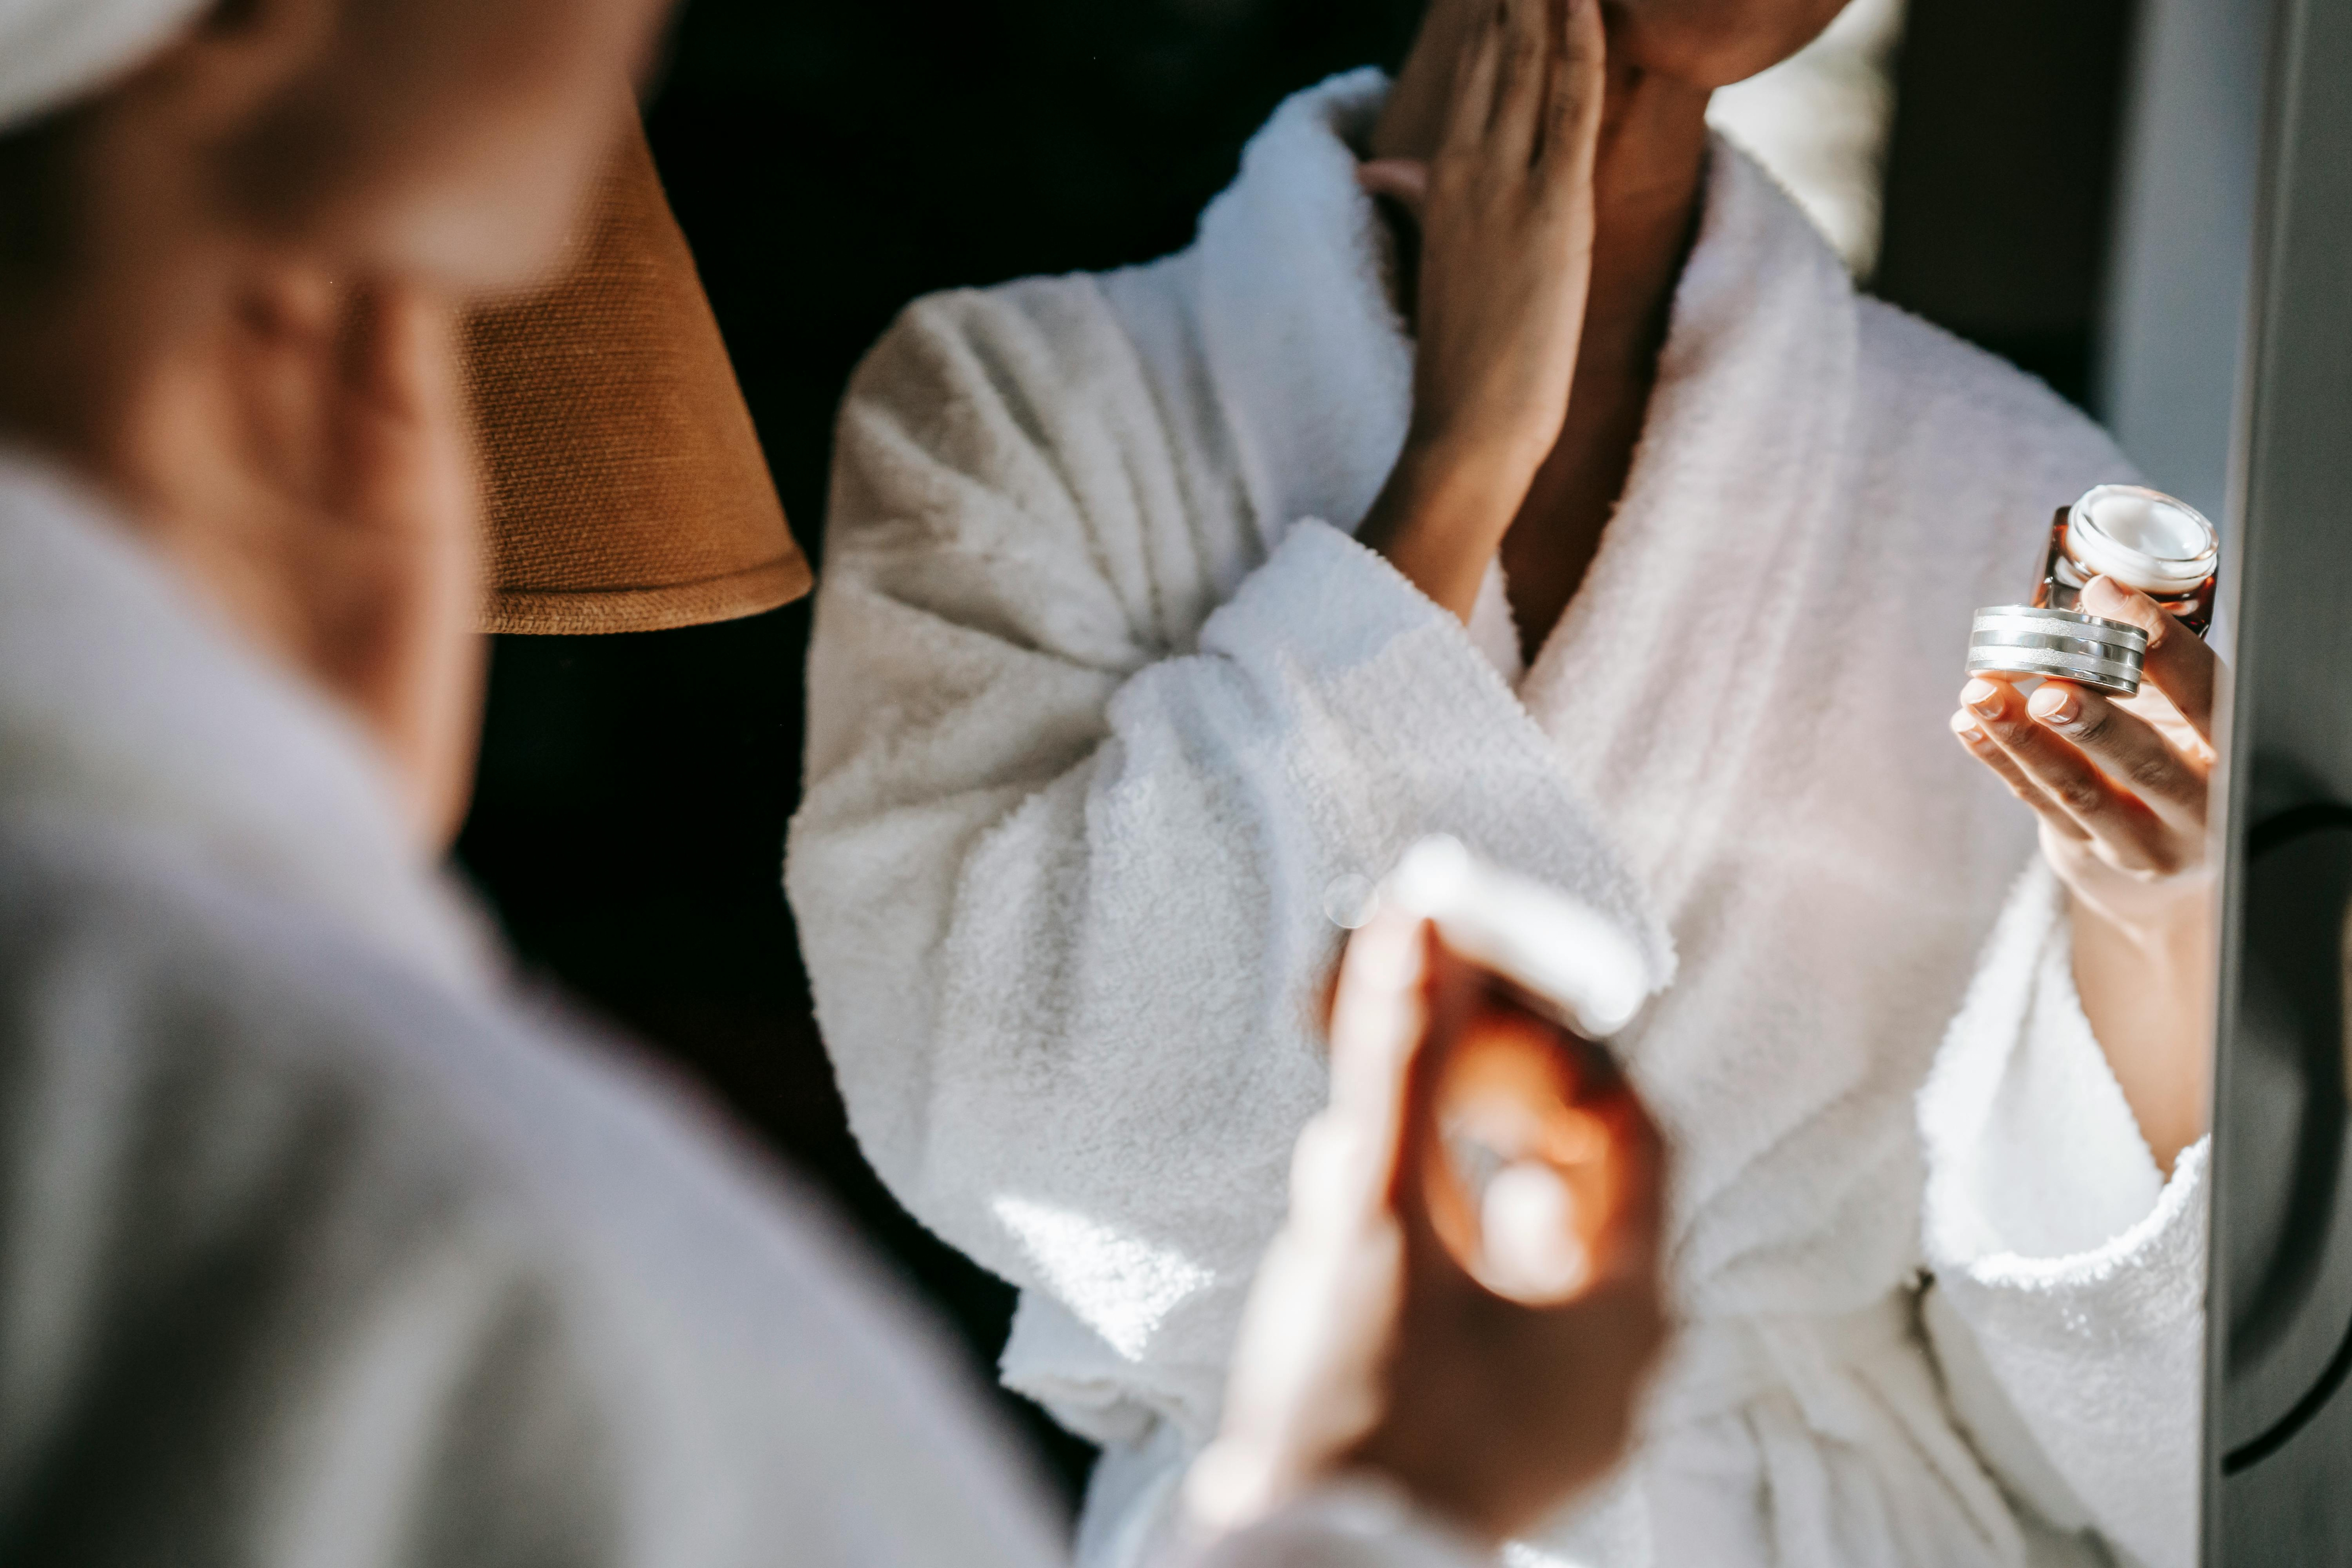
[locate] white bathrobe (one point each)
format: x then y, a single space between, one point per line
1113 726
317 1245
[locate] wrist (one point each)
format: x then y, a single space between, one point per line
1440 517
1468 471
2164 928
2147 991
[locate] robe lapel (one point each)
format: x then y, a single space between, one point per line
1660 674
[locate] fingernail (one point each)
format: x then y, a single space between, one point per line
2056 705
2105 596
1981 695
1965 727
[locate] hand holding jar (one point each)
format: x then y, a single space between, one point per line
2119 784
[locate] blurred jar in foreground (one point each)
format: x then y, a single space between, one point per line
1540 1146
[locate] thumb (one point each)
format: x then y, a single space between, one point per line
1404 181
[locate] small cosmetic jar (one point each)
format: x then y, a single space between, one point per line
2140 538
2030 639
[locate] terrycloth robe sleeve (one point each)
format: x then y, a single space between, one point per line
2067 1308
1097 759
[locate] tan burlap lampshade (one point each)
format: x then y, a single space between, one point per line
626 491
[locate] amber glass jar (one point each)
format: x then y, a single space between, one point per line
2142 539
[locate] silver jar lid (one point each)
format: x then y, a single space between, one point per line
2091 650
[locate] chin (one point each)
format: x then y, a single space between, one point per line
1713 43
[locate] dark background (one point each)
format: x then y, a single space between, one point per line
830 161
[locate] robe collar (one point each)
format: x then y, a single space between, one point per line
1311 362
130 712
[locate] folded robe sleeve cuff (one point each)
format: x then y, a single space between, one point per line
2068 1307
1404 694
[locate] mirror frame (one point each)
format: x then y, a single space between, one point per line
2277 1484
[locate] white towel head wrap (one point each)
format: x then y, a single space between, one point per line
54 51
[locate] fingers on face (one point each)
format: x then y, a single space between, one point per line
1572 105
401 351
2130 831
399 420
282 371
1517 123
1530 83
1472 109
2178 662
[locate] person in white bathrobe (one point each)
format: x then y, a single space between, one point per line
319 1242
1592 517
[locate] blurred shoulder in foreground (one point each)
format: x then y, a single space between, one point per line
311 1245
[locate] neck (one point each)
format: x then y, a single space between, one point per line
1647 181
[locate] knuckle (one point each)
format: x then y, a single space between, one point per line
2079 795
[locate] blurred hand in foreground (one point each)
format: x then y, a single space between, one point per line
1466 1298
